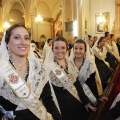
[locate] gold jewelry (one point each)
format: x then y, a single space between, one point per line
9 52
20 67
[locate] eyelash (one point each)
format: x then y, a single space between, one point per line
78 48
17 37
58 48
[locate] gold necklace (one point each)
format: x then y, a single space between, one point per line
20 68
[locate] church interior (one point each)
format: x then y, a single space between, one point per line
46 19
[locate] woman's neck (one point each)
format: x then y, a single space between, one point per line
100 48
18 60
61 62
79 59
79 62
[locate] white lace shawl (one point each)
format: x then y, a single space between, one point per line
37 76
46 49
108 47
115 50
99 54
37 79
86 70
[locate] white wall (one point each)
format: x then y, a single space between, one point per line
106 6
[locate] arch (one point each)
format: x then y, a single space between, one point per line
7 8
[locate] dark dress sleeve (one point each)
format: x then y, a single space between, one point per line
113 113
84 99
91 82
48 102
7 105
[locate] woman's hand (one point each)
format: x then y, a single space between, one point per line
90 107
103 98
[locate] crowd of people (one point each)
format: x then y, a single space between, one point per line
51 83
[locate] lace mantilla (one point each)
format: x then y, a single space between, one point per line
86 70
8 94
37 76
71 70
36 80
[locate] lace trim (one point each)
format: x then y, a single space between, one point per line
37 76
71 70
8 94
86 70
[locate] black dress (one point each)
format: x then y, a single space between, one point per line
104 71
71 108
113 113
111 60
27 114
91 82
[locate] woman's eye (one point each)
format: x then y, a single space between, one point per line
17 37
81 48
56 48
63 48
27 38
76 48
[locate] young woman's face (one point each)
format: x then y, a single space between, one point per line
19 42
79 50
102 43
59 50
90 42
50 43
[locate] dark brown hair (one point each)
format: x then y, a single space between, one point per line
9 31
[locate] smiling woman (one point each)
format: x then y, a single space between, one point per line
23 81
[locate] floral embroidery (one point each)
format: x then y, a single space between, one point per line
58 72
13 79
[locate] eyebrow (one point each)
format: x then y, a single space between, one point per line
19 35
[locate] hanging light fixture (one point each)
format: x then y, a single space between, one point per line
38 18
6 25
101 17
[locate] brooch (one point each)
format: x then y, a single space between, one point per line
13 79
57 72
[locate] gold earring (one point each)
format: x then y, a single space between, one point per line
9 52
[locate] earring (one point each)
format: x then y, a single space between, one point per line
9 52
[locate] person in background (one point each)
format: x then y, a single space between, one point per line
47 47
110 58
118 44
94 39
25 92
115 51
100 60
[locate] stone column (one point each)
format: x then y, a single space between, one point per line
117 17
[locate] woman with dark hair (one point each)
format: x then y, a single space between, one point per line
23 81
100 60
114 51
63 74
87 71
110 56
47 47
